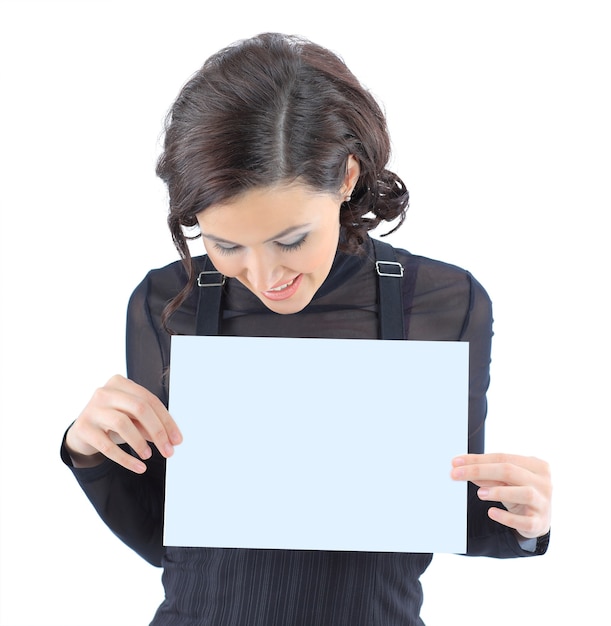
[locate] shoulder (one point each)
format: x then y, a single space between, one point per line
167 280
449 297
433 275
157 288
170 277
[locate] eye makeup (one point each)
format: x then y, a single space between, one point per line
295 245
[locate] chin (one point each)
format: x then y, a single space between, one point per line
287 307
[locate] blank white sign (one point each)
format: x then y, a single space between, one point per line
317 444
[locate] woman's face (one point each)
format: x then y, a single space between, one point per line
279 242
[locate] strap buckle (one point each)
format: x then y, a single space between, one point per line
389 268
205 279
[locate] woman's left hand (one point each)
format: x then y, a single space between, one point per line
522 484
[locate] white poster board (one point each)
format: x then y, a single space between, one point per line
317 444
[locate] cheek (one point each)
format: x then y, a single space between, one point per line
225 264
315 256
319 252
315 260
326 252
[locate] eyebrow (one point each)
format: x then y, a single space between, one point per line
284 233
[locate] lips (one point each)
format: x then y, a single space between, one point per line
284 291
283 287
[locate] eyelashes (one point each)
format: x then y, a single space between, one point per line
284 247
291 247
224 250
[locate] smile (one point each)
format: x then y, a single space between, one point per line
285 291
283 287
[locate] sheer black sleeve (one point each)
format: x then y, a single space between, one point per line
485 537
131 505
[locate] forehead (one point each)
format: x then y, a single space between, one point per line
265 210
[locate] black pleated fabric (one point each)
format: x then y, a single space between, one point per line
299 588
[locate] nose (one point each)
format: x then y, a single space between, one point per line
262 269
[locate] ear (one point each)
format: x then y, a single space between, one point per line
353 171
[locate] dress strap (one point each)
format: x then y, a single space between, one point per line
390 295
210 283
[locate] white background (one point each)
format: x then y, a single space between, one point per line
499 114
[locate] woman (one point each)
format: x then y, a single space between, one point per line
277 155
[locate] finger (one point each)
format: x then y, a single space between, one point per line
109 424
530 463
172 430
103 442
489 474
121 429
529 526
526 496
151 417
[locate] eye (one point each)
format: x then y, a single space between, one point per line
291 247
224 249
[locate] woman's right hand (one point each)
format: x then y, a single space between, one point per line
121 412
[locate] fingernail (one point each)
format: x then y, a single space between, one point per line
176 437
168 449
459 460
483 493
139 467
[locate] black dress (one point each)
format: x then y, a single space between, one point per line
239 587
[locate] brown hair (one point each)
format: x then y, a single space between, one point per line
269 110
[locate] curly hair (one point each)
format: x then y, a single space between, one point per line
271 110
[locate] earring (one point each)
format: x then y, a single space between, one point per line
347 198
